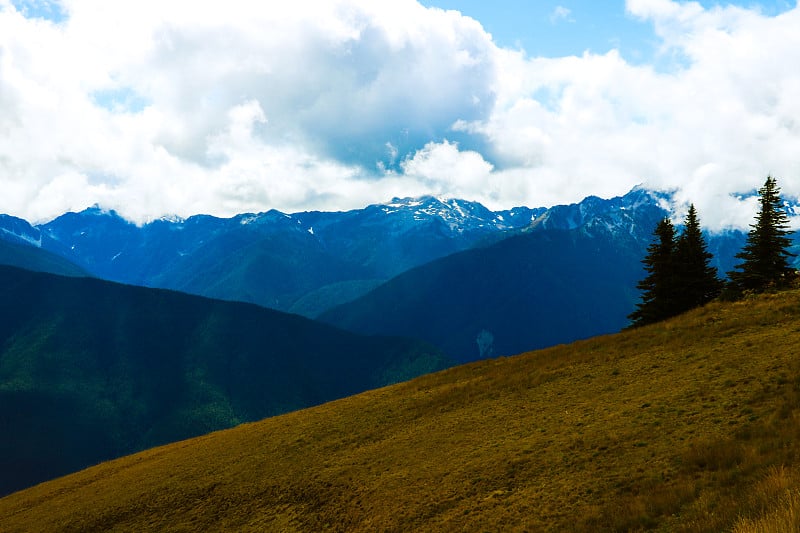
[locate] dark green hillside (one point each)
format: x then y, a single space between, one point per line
91 370
269 269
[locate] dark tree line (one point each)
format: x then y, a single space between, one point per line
679 274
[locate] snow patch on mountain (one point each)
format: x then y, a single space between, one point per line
459 216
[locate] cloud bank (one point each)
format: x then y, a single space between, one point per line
153 109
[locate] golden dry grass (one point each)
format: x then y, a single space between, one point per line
688 425
780 503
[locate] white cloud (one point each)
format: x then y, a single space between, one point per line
155 102
561 13
150 108
447 170
715 126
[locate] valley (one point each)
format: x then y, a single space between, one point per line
686 425
91 370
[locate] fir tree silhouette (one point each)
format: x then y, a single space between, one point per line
765 256
658 287
696 280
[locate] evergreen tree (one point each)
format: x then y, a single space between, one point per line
765 256
696 281
658 287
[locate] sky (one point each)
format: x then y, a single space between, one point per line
161 108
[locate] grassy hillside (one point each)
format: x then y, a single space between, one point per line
92 370
688 425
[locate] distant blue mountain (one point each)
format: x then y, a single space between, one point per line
20 246
571 274
303 262
311 262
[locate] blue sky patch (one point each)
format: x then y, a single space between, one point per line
51 10
123 100
559 28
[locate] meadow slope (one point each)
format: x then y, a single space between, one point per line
687 425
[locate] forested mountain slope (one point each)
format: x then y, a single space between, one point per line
91 370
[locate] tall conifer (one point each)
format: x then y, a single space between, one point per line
765 256
658 287
696 280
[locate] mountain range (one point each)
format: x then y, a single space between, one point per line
302 262
571 274
20 246
472 281
104 368
91 370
